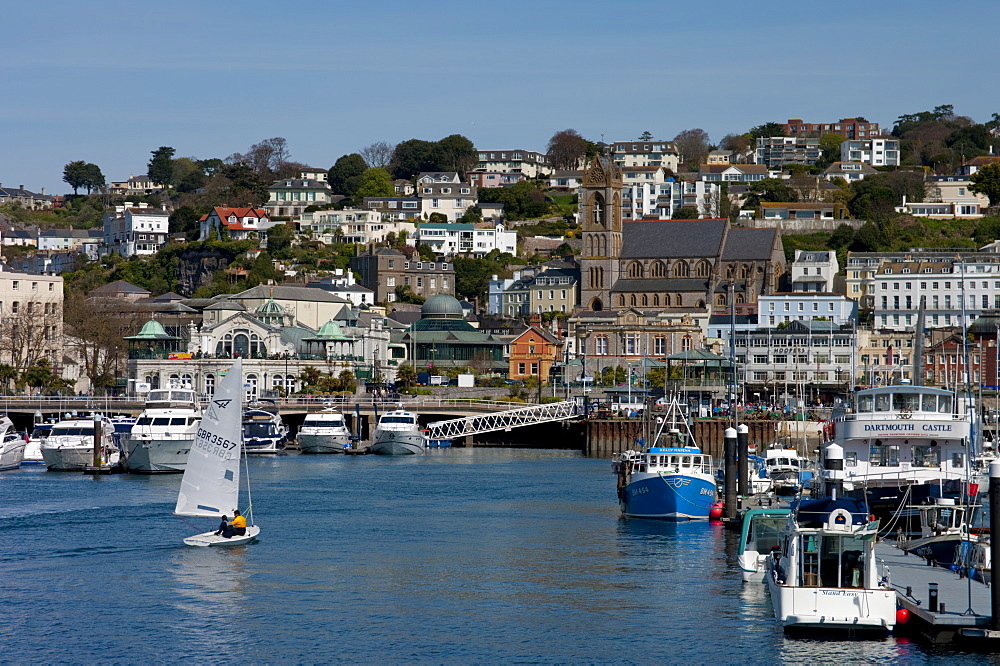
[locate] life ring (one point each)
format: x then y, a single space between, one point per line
829 430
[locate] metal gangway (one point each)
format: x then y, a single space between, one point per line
505 420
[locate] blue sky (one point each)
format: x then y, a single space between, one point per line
107 82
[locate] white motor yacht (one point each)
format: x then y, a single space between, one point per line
11 445
70 444
324 432
398 434
162 435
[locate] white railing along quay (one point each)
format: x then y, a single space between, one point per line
504 420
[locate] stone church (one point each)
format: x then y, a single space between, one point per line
668 265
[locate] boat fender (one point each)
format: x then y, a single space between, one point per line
902 616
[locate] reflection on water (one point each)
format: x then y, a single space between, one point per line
471 555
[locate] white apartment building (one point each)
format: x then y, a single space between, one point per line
135 230
352 225
876 151
450 239
527 162
646 153
660 199
784 308
814 271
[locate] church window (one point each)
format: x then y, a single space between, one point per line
597 210
645 301
656 300
739 298
744 272
658 270
703 269
632 300
621 300
635 269
680 269
677 300
720 300
666 300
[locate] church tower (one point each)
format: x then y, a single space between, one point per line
600 207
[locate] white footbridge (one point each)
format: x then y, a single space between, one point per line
505 420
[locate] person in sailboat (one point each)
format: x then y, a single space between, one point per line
239 524
226 529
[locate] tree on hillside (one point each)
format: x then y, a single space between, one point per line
740 144
411 157
345 174
75 174
830 145
685 213
769 190
766 130
94 178
566 149
456 153
267 158
378 153
161 166
645 136
692 145
184 220
986 181
374 183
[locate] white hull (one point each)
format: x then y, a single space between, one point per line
69 459
33 454
270 448
752 565
322 443
157 456
11 454
207 539
832 607
398 443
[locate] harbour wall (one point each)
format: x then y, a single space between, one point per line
604 437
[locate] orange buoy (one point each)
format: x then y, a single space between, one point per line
902 616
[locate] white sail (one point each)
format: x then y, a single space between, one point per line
211 483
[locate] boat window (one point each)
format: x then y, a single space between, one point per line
885 456
841 562
882 402
178 421
929 403
192 420
926 456
944 404
809 561
767 532
795 462
909 401
397 419
71 430
686 461
180 396
865 403
144 420
158 396
161 421
851 459
957 460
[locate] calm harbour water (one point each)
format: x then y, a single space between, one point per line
471 555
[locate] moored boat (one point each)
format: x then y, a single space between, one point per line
785 468
70 445
161 437
398 434
263 431
33 449
671 480
324 432
761 533
11 445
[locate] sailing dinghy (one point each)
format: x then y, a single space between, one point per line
210 487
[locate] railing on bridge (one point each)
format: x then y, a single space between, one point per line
504 420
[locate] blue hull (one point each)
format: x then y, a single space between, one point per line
669 497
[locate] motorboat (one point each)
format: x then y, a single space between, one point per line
671 480
824 576
324 432
946 531
161 437
70 444
903 446
761 532
786 469
263 431
398 433
33 448
11 445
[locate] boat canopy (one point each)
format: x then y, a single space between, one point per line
815 513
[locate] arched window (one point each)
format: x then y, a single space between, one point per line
289 384
635 269
631 300
250 384
680 269
597 209
666 300
703 269
744 271
656 300
596 305
210 383
645 301
730 271
739 298
658 269
720 300
701 304
678 301
621 300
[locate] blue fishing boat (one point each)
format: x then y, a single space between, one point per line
671 480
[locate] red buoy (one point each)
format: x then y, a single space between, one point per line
715 513
902 616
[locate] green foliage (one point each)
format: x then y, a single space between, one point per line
161 166
426 252
523 201
986 181
438 218
455 153
404 295
452 153
279 241
184 220
645 136
406 376
472 275
74 174
767 130
686 213
472 215
345 175
770 190
40 376
374 183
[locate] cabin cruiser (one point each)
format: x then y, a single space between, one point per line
671 480
11 445
761 533
163 434
946 531
324 432
824 575
903 445
398 434
35 440
786 469
70 444
263 431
